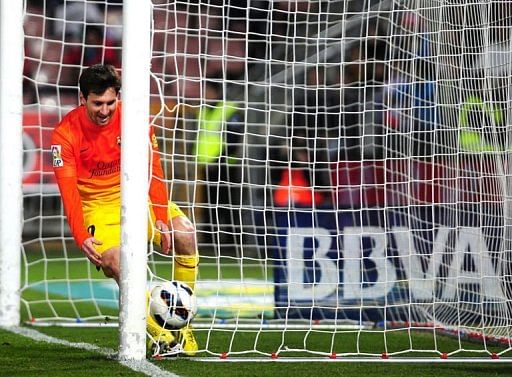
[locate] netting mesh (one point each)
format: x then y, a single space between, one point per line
345 163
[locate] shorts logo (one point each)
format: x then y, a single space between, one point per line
56 157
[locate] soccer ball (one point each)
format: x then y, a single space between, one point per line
173 304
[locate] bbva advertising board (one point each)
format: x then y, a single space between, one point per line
331 263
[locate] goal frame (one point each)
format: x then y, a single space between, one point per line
134 182
134 179
136 74
11 157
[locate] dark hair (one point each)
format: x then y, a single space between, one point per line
98 78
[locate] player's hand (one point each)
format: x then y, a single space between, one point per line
90 251
165 236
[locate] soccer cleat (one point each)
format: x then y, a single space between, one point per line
164 349
161 341
164 344
186 339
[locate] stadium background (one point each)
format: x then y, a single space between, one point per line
210 42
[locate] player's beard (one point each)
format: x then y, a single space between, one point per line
98 119
103 121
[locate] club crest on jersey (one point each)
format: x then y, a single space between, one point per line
56 156
118 140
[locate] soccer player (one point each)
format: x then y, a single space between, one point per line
86 153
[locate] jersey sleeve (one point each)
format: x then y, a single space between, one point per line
64 167
157 187
73 209
63 159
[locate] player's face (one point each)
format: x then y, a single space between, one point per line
100 107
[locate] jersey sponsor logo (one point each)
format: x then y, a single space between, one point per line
103 168
56 156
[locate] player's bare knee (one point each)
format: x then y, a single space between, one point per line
111 271
110 263
185 243
184 235
182 224
107 271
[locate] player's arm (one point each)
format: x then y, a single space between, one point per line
64 168
73 210
158 194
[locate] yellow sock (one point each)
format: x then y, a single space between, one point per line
185 269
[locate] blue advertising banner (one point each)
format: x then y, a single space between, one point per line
367 264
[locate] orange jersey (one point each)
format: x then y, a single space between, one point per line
87 164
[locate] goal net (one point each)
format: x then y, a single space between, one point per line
345 164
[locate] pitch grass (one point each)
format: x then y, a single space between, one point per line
23 357
20 356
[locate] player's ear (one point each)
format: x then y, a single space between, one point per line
82 99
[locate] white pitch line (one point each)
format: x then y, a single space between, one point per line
143 366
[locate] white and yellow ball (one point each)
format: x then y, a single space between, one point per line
172 305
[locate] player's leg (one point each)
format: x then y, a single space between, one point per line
105 224
110 263
186 258
184 245
186 261
161 341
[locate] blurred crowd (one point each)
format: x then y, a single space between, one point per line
310 116
336 111
191 41
377 98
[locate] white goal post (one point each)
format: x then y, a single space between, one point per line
134 179
11 63
346 165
